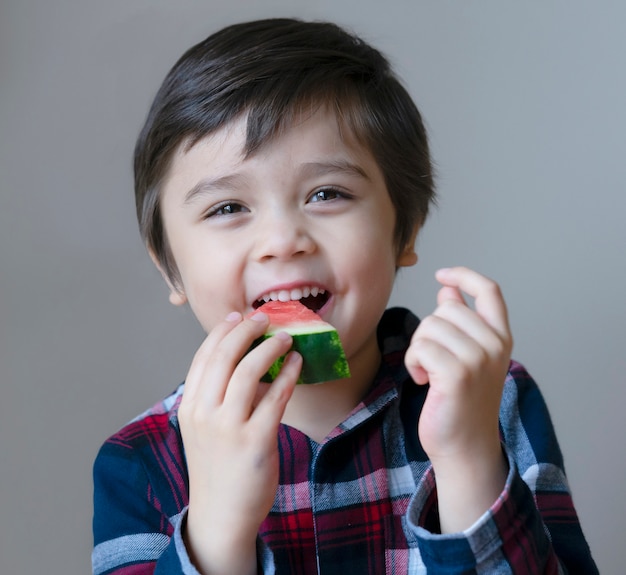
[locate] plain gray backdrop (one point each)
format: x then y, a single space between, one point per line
525 104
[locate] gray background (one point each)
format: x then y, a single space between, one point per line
526 108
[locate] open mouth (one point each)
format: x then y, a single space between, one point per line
312 297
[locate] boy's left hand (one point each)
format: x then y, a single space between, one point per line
464 355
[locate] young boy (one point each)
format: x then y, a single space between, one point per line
283 160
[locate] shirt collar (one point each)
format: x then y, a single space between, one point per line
394 334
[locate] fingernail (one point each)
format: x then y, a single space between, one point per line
233 316
283 335
292 357
260 316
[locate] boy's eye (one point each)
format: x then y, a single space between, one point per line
225 209
326 194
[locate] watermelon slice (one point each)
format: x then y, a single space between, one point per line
316 340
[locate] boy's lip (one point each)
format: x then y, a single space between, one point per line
293 291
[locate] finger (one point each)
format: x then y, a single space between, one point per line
426 358
470 326
242 390
488 300
417 350
203 353
446 335
418 374
215 362
271 407
447 293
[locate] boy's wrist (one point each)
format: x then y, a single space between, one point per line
467 487
215 548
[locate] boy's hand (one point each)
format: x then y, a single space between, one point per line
464 355
229 425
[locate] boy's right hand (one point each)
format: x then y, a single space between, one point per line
229 425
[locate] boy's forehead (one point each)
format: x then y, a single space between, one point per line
234 137
232 131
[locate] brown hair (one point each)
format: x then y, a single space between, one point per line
272 70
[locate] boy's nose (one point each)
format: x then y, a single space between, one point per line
283 237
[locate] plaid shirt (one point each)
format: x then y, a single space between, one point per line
364 501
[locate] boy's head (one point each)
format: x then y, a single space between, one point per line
274 71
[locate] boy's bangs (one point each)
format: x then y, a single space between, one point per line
267 120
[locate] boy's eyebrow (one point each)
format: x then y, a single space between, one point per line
309 169
334 166
208 185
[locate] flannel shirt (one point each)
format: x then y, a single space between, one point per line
363 501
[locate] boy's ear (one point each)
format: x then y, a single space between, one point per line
407 257
177 296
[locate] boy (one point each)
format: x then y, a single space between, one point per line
283 160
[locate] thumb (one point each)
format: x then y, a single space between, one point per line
414 367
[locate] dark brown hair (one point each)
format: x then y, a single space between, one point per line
272 70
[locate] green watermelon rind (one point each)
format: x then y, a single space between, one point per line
322 354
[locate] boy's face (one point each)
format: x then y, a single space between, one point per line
309 212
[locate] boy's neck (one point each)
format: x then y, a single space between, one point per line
317 409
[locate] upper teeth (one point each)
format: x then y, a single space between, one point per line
292 295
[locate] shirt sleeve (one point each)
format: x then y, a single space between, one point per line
132 534
532 527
